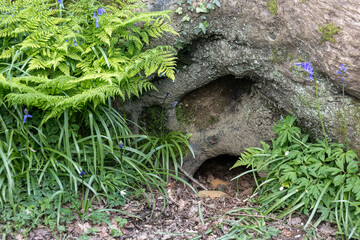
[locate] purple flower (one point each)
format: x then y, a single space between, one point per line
168 95
282 119
307 67
97 22
27 115
101 10
97 19
174 104
121 144
75 43
342 68
342 72
66 40
60 1
82 173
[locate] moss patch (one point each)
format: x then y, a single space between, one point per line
150 120
328 31
272 6
184 114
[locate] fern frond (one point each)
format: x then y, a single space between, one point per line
104 61
6 54
37 62
65 69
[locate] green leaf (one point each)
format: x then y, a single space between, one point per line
210 6
352 166
339 179
216 2
186 18
203 26
340 163
179 10
351 182
197 31
356 190
288 173
350 155
335 171
179 2
202 9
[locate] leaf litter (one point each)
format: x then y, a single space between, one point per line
186 216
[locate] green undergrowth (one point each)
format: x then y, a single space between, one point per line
45 162
310 177
63 148
57 57
316 178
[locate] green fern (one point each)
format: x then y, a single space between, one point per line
71 61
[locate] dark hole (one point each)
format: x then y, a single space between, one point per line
219 167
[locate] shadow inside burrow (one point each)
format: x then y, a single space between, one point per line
218 168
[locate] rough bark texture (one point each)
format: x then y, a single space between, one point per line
246 43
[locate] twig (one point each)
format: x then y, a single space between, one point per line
192 179
251 197
171 199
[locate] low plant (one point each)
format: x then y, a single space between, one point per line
58 58
312 177
249 224
60 66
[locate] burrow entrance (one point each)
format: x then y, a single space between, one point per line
217 170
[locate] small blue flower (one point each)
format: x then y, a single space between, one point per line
27 115
282 119
342 72
342 68
101 11
75 43
168 95
60 1
82 173
97 22
66 40
307 67
174 104
94 15
121 144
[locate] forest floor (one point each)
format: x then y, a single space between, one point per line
187 216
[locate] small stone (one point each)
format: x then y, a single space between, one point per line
218 183
246 192
212 194
262 174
